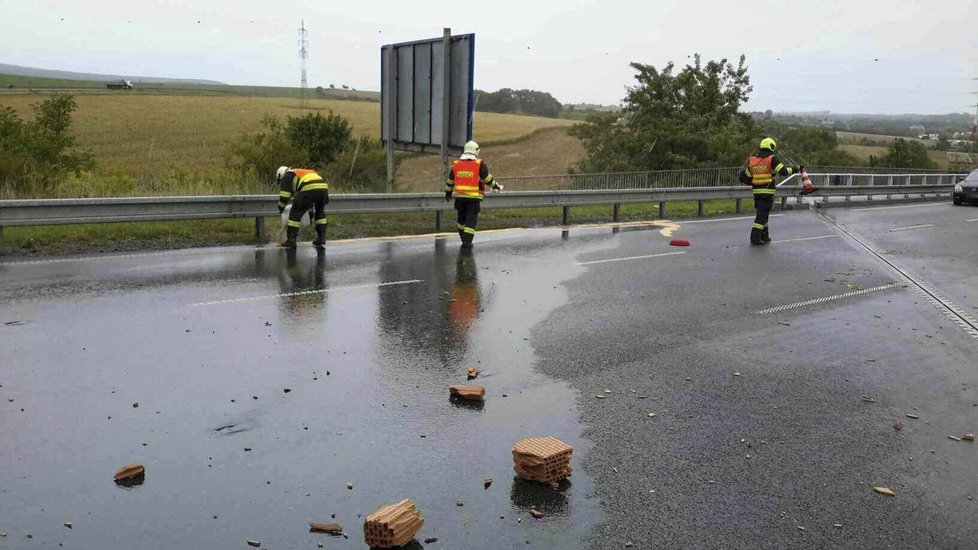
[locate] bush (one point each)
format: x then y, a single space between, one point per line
360 168
256 156
35 155
322 138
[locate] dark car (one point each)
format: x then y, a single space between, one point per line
966 190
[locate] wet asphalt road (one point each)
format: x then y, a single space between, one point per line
760 438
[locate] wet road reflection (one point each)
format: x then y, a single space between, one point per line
254 414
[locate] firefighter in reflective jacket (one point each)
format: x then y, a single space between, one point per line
468 180
306 189
759 174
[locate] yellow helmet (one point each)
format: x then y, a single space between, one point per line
471 148
769 144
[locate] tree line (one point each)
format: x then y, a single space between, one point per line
526 102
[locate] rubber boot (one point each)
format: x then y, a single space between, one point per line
467 240
765 236
755 236
290 235
320 241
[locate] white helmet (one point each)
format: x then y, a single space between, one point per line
280 173
471 148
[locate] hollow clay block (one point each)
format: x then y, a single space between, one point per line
469 393
544 459
393 525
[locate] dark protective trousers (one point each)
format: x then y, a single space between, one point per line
468 217
759 231
305 200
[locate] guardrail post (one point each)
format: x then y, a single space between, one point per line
616 213
662 209
699 208
438 214
1 237
259 229
566 215
740 206
784 202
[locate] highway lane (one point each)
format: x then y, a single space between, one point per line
553 318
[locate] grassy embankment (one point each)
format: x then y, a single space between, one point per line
862 146
153 144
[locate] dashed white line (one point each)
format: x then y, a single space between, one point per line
973 220
804 239
901 206
630 258
852 294
912 227
306 293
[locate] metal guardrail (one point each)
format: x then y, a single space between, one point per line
711 177
32 212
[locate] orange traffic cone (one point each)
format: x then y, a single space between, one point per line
806 184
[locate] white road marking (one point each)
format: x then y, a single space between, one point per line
826 299
804 239
683 222
306 292
912 227
901 206
974 220
630 258
110 257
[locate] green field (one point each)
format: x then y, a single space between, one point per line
863 152
880 140
19 84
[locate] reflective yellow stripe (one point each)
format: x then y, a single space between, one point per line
765 191
313 186
779 167
460 226
469 230
322 222
758 226
468 195
488 179
294 224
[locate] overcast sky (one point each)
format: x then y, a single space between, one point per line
854 56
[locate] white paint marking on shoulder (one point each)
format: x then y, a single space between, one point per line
134 255
972 220
630 258
825 299
306 293
717 220
911 227
804 239
924 205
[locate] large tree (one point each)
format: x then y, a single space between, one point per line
689 118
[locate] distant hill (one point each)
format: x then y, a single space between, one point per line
19 70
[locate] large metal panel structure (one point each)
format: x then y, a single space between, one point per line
427 93
413 89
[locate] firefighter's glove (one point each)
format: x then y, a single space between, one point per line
448 196
497 188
